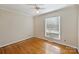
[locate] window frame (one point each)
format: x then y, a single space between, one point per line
59 32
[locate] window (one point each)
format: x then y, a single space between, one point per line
52 27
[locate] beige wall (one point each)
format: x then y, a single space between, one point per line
14 27
68 25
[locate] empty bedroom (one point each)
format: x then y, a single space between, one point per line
39 28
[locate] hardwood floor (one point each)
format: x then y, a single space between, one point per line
37 46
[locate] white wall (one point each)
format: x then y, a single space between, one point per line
78 24
14 27
68 26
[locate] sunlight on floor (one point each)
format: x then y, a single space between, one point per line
49 49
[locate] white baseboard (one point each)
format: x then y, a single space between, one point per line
60 43
78 50
16 41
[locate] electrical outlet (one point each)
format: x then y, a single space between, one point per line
64 40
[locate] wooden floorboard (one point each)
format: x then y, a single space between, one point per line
37 46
